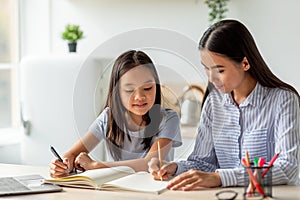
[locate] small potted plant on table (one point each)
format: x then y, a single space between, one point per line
72 34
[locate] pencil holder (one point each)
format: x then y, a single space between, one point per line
258 182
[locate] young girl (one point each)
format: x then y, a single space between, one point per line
131 124
247 108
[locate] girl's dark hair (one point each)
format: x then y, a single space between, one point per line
116 116
233 40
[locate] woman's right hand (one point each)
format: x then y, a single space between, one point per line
165 172
60 169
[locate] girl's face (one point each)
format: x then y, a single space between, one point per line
137 91
225 74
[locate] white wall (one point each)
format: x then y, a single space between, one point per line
272 22
275 26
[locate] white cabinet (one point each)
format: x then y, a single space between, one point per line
48 86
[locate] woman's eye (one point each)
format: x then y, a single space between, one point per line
221 71
148 88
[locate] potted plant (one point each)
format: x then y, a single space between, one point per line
72 34
218 8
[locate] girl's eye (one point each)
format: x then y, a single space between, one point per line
221 71
129 91
148 88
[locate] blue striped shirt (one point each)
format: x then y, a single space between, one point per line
264 124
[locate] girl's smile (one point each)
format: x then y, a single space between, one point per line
138 91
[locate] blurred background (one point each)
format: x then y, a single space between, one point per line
39 76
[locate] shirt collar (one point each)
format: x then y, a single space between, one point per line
255 98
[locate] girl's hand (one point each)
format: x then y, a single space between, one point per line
165 172
84 162
60 169
195 180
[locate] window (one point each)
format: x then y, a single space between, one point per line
8 62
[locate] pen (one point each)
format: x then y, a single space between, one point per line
270 164
56 154
159 157
260 163
252 177
58 157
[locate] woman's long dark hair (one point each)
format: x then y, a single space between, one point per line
117 124
233 40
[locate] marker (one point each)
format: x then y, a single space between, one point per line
255 161
270 164
252 177
261 162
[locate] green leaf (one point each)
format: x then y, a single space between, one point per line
72 33
217 9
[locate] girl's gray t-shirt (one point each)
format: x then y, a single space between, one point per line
169 128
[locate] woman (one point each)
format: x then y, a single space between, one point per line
247 108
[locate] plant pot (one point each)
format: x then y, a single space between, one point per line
72 46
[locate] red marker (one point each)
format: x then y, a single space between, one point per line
270 164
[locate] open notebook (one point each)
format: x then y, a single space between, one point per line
27 184
116 178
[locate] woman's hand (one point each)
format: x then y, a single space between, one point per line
195 180
165 172
84 162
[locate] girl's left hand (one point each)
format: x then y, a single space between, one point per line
84 162
195 180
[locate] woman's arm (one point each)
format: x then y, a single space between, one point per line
287 140
203 157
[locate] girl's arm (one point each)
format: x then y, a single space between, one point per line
169 137
140 164
86 144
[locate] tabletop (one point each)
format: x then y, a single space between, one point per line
279 192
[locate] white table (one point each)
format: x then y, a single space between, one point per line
279 192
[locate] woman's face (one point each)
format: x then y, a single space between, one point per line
225 74
138 91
